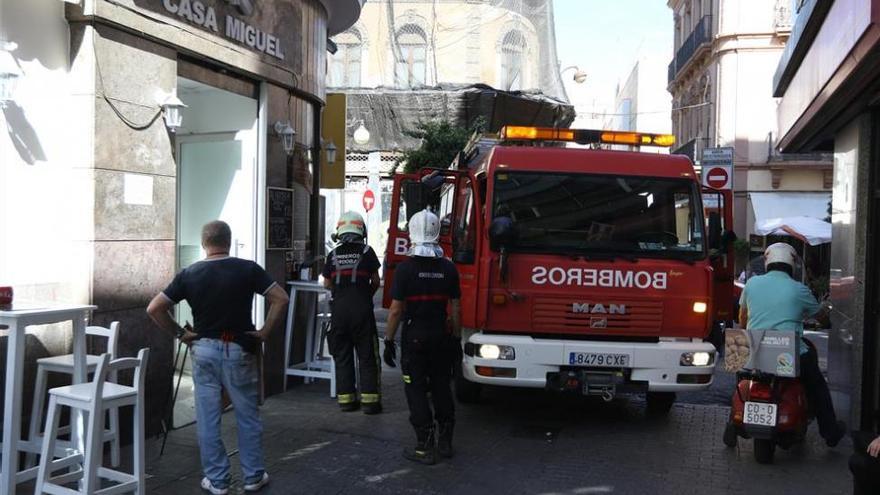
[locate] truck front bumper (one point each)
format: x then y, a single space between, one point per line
654 367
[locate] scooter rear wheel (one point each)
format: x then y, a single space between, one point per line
764 451
730 437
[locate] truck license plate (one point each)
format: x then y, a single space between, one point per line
760 414
598 359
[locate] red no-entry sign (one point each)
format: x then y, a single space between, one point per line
718 178
369 200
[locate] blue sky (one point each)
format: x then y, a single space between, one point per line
605 38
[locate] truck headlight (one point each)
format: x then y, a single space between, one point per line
697 358
492 351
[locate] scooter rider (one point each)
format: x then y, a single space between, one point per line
422 287
775 301
352 273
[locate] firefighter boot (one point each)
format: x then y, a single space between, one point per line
348 402
371 403
444 439
425 450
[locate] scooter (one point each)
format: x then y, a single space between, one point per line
772 410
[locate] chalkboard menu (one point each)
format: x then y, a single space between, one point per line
279 218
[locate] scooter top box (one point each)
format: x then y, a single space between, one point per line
769 351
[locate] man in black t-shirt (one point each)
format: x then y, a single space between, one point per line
220 290
352 273
423 287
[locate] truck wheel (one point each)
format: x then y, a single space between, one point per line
764 450
659 403
729 438
467 392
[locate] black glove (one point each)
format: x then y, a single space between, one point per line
390 353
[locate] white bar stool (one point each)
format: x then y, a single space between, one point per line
64 364
94 399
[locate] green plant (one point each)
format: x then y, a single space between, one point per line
441 140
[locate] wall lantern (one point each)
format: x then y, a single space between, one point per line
285 133
330 149
361 134
171 110
579 75
9 72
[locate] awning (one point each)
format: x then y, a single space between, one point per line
810 230
770 205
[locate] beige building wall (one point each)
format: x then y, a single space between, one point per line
721 81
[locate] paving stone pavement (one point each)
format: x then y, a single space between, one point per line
515 441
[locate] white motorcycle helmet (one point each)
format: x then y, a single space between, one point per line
780 252
424 232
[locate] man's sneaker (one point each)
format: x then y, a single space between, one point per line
841 432
208 486
255 486
372 407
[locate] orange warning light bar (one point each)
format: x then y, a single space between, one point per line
585 136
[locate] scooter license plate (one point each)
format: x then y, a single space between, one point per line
760 414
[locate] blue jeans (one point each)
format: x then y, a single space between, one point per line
216 365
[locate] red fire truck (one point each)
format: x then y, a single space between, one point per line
585 270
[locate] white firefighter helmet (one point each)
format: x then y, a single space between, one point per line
351 223
780 252
424 228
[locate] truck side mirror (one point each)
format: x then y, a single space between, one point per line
714 230
502 233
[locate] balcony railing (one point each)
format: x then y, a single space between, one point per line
700 36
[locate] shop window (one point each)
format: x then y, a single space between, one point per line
412 52
513 49
345 64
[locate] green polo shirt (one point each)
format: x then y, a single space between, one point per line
775 301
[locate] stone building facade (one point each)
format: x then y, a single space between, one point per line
720 78
101 202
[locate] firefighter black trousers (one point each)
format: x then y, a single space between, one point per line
353 330
426 362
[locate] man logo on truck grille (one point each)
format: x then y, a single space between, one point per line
587 308
598 322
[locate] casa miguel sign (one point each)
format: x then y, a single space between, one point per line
243 21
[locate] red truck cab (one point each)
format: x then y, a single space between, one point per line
581 270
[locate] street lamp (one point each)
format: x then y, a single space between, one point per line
579 75
9 72
330 149
171 111
361 134
286 133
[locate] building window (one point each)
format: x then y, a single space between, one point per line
513 49
411 66
345 64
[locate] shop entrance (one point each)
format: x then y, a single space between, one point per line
216 151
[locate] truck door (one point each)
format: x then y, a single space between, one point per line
413 193
718 212
464 246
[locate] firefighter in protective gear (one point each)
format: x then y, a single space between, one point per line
352 274
423 287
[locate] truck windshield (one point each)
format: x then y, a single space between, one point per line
585 214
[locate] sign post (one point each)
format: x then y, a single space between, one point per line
717 165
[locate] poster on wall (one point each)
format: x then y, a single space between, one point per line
279 218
